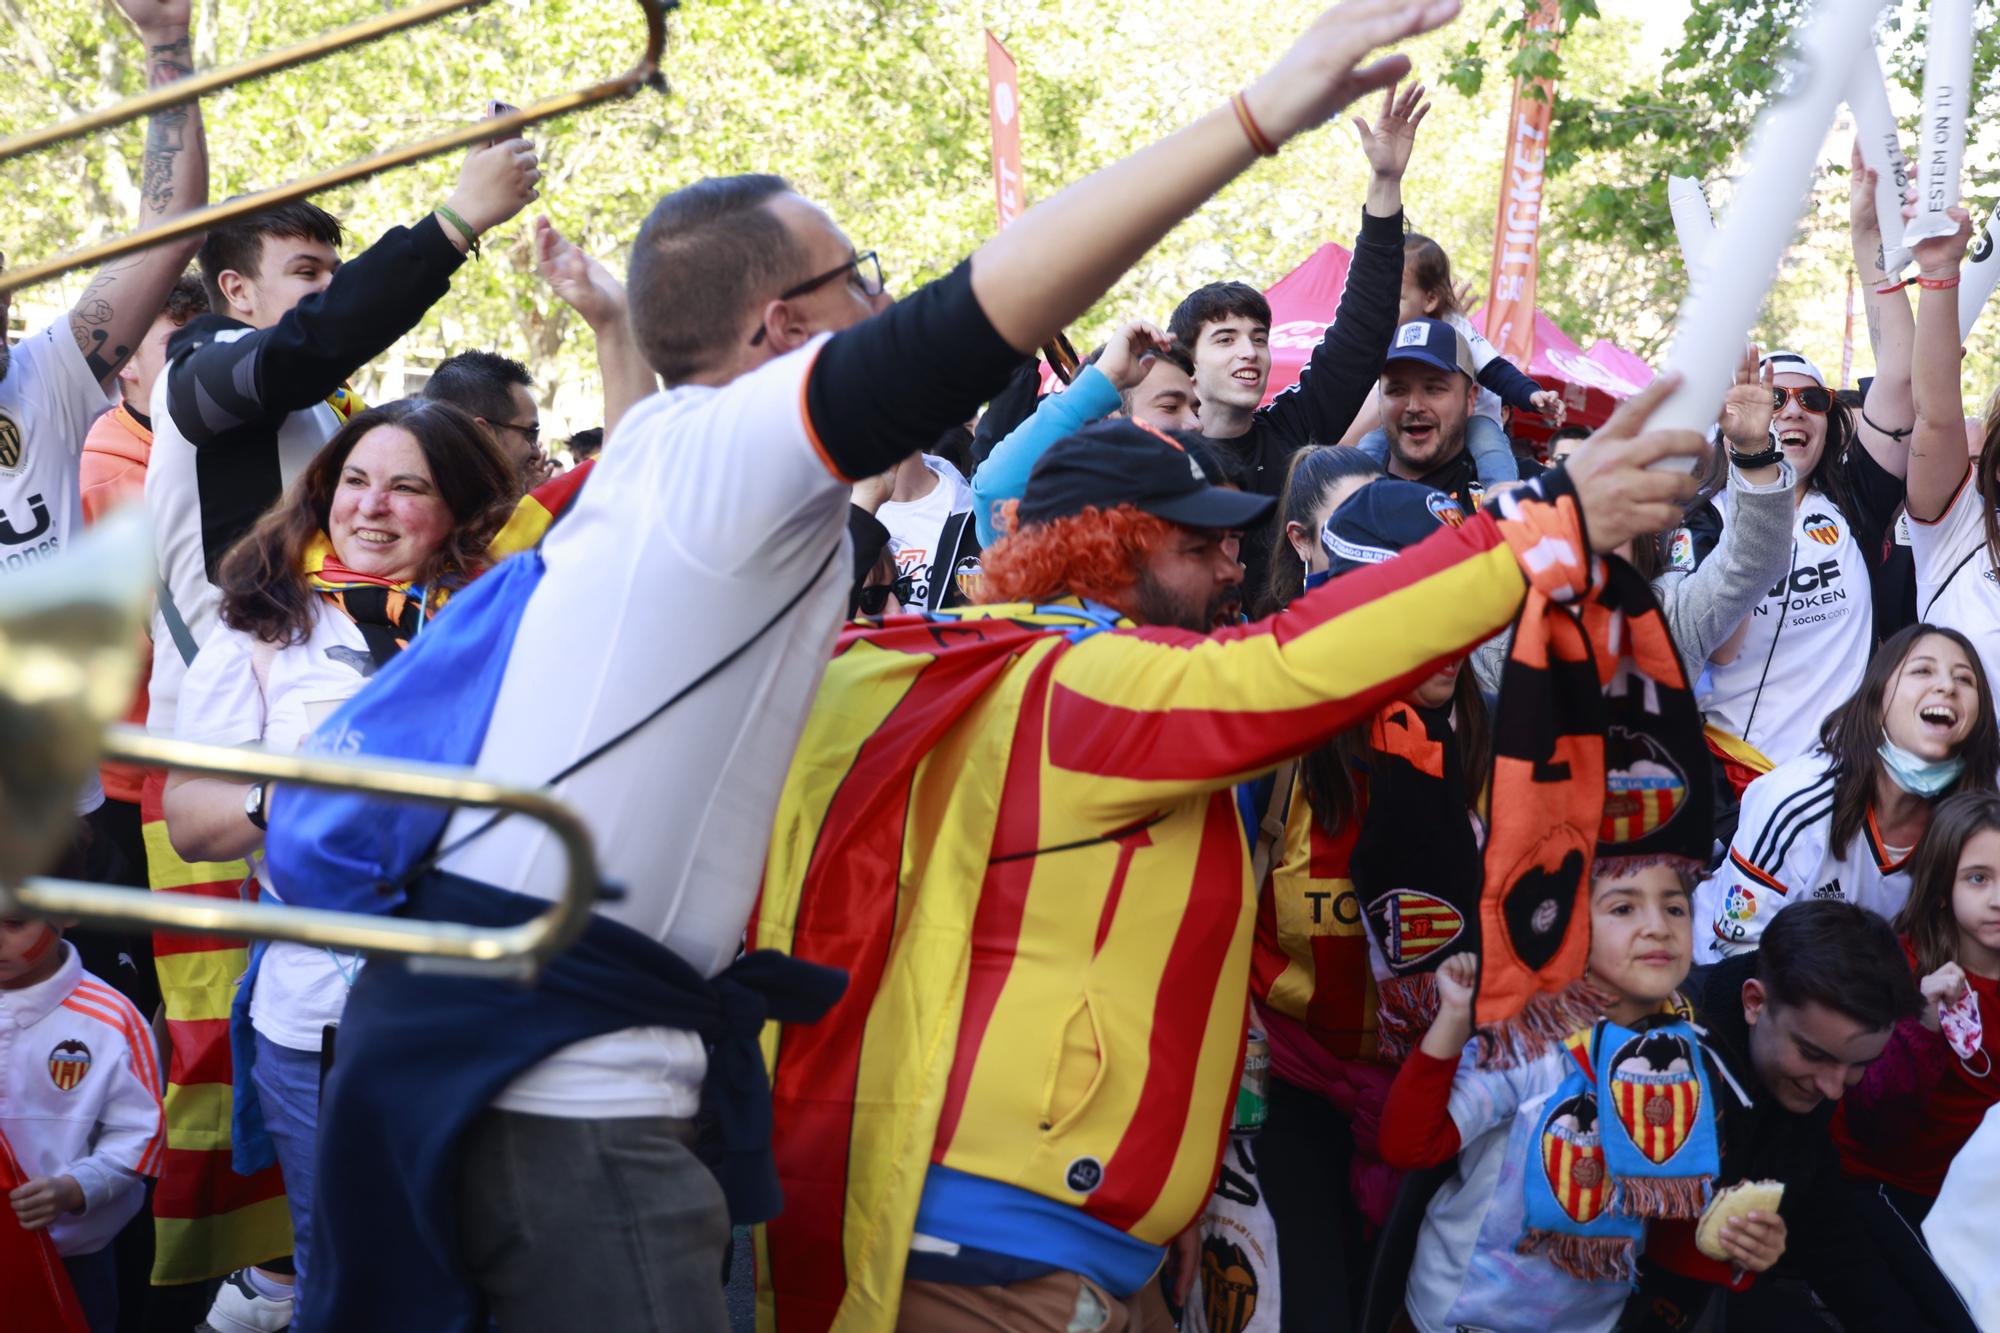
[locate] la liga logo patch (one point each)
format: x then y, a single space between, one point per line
68 1063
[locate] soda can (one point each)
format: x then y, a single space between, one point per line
1252 1108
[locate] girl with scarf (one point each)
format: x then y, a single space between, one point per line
1917 1106
364 547
1843 820
1565 1159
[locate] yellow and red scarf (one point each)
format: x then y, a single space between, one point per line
387 612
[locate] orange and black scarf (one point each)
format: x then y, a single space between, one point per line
387 613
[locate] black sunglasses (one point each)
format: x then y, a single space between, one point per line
867 271
1812 398
874 599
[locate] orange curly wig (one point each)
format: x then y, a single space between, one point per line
1096 554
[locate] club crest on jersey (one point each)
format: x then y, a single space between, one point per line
1823 528
1444 509
1411 926
1228 1285
68 1063
1573 1159
1643 790
1740 905
1657 1091
11 451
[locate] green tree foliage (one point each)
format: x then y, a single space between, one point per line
877 109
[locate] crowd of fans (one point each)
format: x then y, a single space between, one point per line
1114 810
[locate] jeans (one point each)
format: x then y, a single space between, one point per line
1303 1152
591 1224
288 1082
94 1279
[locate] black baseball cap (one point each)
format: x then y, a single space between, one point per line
1121 462
1376 522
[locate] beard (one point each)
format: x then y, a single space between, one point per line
1155 604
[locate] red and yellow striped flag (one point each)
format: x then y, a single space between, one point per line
208 1220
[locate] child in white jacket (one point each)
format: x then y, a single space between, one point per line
79 1103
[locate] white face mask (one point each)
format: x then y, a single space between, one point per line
1915 775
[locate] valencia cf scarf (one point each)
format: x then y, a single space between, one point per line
387 613
1415 864
1628 1138
1597 753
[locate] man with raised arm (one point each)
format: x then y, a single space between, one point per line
706 554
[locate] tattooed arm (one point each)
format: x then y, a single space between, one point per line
122 300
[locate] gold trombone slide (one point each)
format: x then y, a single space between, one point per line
644 73
67 663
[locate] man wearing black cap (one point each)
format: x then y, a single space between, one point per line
1014 828
1429 387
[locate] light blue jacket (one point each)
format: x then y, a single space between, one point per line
1004 474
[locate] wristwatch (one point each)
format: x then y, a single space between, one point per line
253 804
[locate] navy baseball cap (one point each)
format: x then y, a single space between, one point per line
1376 522
1435 343
1121 462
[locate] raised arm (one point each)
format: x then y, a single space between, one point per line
1060 256
121 302
1339 379
588 287
1888 413
1937 449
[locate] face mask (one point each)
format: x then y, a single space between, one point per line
1918 777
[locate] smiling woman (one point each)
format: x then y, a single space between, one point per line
1842 821
367 544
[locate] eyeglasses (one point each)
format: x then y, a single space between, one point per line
874 598
532 432
867 271
1811 397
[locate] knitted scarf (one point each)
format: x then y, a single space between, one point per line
387 613
1597 753
1628 1137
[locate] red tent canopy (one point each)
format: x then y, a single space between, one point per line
1303 303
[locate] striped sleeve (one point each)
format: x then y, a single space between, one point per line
1780 843
1154 714
131 1131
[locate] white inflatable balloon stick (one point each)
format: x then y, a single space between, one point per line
1941 131
1976 280
1694 225
1715 318
1882 153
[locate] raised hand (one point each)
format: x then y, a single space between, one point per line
1457 978
1128 353
1747 407
1862 220
584 285
1940 256
1941 989
1620 492
1550 404
1387 143
497 181
1323 70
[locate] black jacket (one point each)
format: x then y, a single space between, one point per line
1824 1244
1332 387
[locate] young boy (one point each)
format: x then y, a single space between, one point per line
1509 1128
79 1102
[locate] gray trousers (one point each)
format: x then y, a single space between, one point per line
592 1224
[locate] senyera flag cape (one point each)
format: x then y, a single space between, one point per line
885 774
207 1220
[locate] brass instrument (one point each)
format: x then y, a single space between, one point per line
68 660
644 73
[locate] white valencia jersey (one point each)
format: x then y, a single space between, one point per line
80 1096
1780 856
1956 583
1808 644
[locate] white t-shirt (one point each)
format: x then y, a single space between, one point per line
1780 856
1956 583
916 526
300 988
1809 640
710 510
1466 1273
47 403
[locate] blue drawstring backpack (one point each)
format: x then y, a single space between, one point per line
352 851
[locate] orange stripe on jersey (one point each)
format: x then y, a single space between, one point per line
118 1014
1742 863
145 1060
806 420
